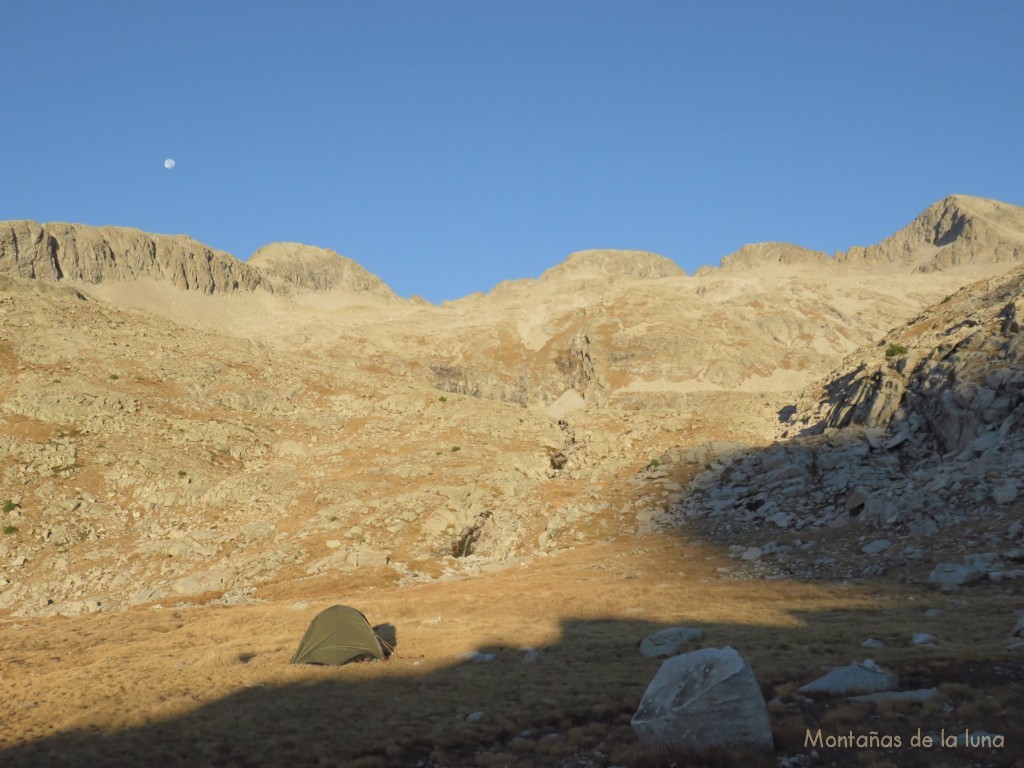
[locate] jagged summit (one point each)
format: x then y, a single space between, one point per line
92 255
309 268
603 264
957 231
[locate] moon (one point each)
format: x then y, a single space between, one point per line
168 163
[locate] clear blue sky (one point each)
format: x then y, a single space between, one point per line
448 145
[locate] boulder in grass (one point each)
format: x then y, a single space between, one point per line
949 577
858 677
668 641
706 699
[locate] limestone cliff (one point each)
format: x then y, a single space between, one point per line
92 255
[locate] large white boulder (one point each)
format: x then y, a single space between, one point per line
705 699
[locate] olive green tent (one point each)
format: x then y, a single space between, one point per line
338 635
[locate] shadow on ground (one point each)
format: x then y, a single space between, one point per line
570 706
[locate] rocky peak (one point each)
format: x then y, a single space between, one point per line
758 255
308 268
605 264
957 231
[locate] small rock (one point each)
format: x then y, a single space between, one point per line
950 576
530 655
1005 493
667 641
923 638
475 657
872 643
897 440
863 676
933 613
475 717
875 547
1018 631
753 553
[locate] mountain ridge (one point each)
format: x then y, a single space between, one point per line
957 231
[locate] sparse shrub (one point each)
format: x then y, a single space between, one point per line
182 473
653 463
896 350
114 377
442 399
456 448
9 505
946 299
845 714
9 529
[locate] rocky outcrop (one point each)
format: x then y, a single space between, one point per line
308 268
91 255
950 375
915 435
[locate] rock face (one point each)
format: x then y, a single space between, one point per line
954 372
93 255
307 268
704 700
